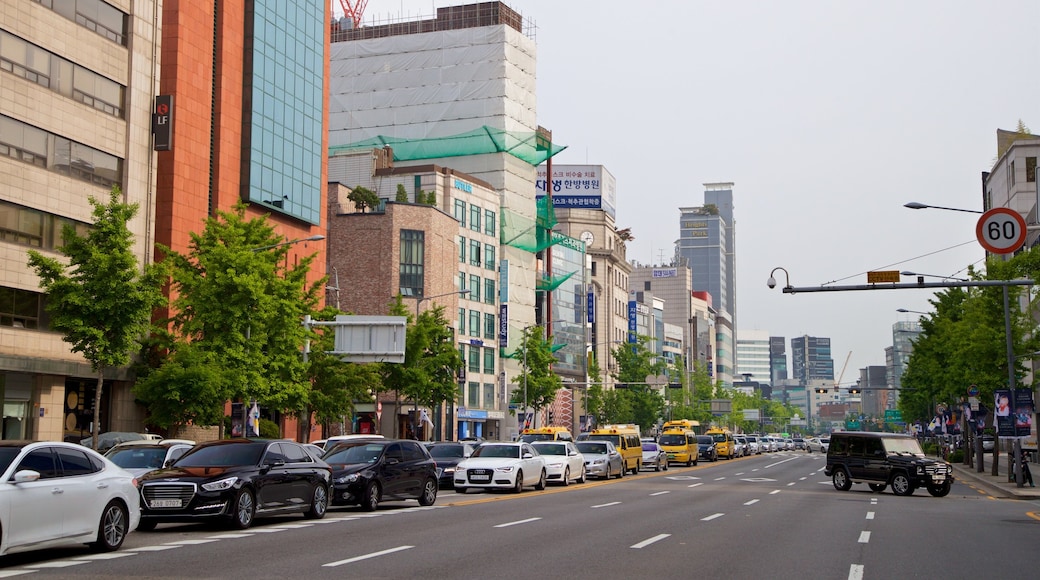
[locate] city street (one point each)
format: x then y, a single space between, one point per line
773 515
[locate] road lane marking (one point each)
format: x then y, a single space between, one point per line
712 517
757 479
605 504
870 515
108 556
189 542
856 572
752 502
155 548
229 536
13 573
739 474
681 477
649 541
774 492
873 501
864 537
802 478
720 478
59 564
367 556
518 522
790 484
659 493
1034 515
779 463
696 484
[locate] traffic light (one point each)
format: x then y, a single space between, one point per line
620 385
552 416
854 390
821 391
674 385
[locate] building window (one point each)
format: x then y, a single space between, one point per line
489 222
489 327
462 327
1030 169
474 253
474 287
489 395
474 218
474 359
489 358
474 326
37 147
412 258
474 395
460 212
489 256
31 227
94 15
489 291
22 309
462 250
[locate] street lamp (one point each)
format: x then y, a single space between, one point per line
904 311
916 205
314 238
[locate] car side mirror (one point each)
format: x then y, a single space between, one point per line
168 462
392 461
528 455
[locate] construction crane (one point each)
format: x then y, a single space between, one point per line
837 383
353 9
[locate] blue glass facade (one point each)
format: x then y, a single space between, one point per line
284 92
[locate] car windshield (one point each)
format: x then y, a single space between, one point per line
650 447
551 449
615 439
704 440
719 437
133 458
591 447
360 453
673 439
7 455
447 451
508 451
222 456
901 445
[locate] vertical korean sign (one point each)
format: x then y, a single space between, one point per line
162 123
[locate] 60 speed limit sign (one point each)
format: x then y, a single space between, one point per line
1001 230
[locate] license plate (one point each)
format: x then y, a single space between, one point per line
938 478
480 477
165 503
671 456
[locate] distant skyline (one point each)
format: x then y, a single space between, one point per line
826 116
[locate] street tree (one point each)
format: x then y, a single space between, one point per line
536 378
101 300
635 362
188 388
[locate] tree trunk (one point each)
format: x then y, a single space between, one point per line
96 427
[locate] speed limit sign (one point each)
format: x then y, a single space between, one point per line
1001 230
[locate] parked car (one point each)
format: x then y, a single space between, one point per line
602 459
140 457
236 480
799 443
654 456
740 446
365 472
501 465
706 448
817 445
448 454
563 461
110 439
754 447
54 493
789 445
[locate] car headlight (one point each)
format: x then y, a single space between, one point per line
449 470
220 485
599 462
348 478
506 469
459 469
556 465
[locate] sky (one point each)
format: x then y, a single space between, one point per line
827 117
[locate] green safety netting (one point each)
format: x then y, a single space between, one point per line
531 235
519 144
518 354
550 283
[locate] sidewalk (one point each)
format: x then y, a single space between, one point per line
998 485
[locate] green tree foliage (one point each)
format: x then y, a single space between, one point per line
536 378
431 198
183 390
594 392
363 198
241 303
635 363
402 194
102 300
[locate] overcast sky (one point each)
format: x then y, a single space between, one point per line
827 116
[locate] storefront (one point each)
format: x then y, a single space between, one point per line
472 423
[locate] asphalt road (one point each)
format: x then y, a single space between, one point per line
771 516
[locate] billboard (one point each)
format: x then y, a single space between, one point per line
580 187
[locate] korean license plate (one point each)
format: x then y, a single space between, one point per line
480 477
165 503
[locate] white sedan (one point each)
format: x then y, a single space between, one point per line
501 465
563 461
55 494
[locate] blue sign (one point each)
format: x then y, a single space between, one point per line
590 306
632 320
472 414
503 326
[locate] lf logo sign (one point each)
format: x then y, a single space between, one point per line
162 123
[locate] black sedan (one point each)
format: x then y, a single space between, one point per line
706 448
367 472
236 480
448 454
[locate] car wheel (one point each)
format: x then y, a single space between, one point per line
841 480
689 461
584 476
541 482
244 510
319 503
566 477
657 466
901 484
621 472
941 490
461 490
146 525
429 493
878 487
607 476
519 487
635 470
112 529
666 465
372 496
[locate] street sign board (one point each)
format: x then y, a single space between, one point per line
893 415
881 276
973 391
1001 230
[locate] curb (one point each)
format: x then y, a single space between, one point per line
995 489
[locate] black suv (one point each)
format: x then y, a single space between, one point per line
883 459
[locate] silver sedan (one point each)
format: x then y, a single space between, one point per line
654 456
602 459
